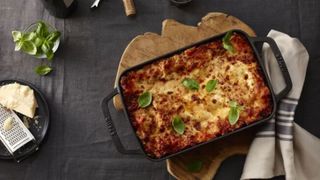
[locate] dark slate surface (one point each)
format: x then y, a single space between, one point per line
78 145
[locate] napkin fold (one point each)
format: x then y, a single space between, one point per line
282 147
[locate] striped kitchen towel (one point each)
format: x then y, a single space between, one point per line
282 147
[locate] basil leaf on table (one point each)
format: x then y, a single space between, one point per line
226 42
17 35
194 166
190 83
29 47
145 99
211 85
234 112
43 70
178 125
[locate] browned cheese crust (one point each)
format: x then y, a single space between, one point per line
205 114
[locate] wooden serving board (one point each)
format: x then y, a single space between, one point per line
175 35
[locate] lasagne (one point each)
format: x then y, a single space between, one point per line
204 114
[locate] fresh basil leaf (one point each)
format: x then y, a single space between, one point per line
49 54
45 47
190 83
178 125
233 104
234 112
29 47
50 44
226 42
29 36
39 52
233 115
145 99
53 36
229 48
195 166
17 35
18 45
43 70
211 85
38 41
42 29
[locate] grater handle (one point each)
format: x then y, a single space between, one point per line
111 127
33 149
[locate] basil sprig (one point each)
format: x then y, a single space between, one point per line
24 42
178 125
145 99
211 85
190 83
37 42
194 166
226 42
234 112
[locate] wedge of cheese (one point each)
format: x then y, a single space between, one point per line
19 98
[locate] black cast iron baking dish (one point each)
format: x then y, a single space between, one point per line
253 42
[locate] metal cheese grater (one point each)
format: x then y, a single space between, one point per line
17 136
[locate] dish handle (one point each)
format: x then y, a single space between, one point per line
281 63
110 125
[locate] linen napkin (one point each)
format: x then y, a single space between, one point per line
282 147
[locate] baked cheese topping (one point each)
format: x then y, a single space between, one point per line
205 114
